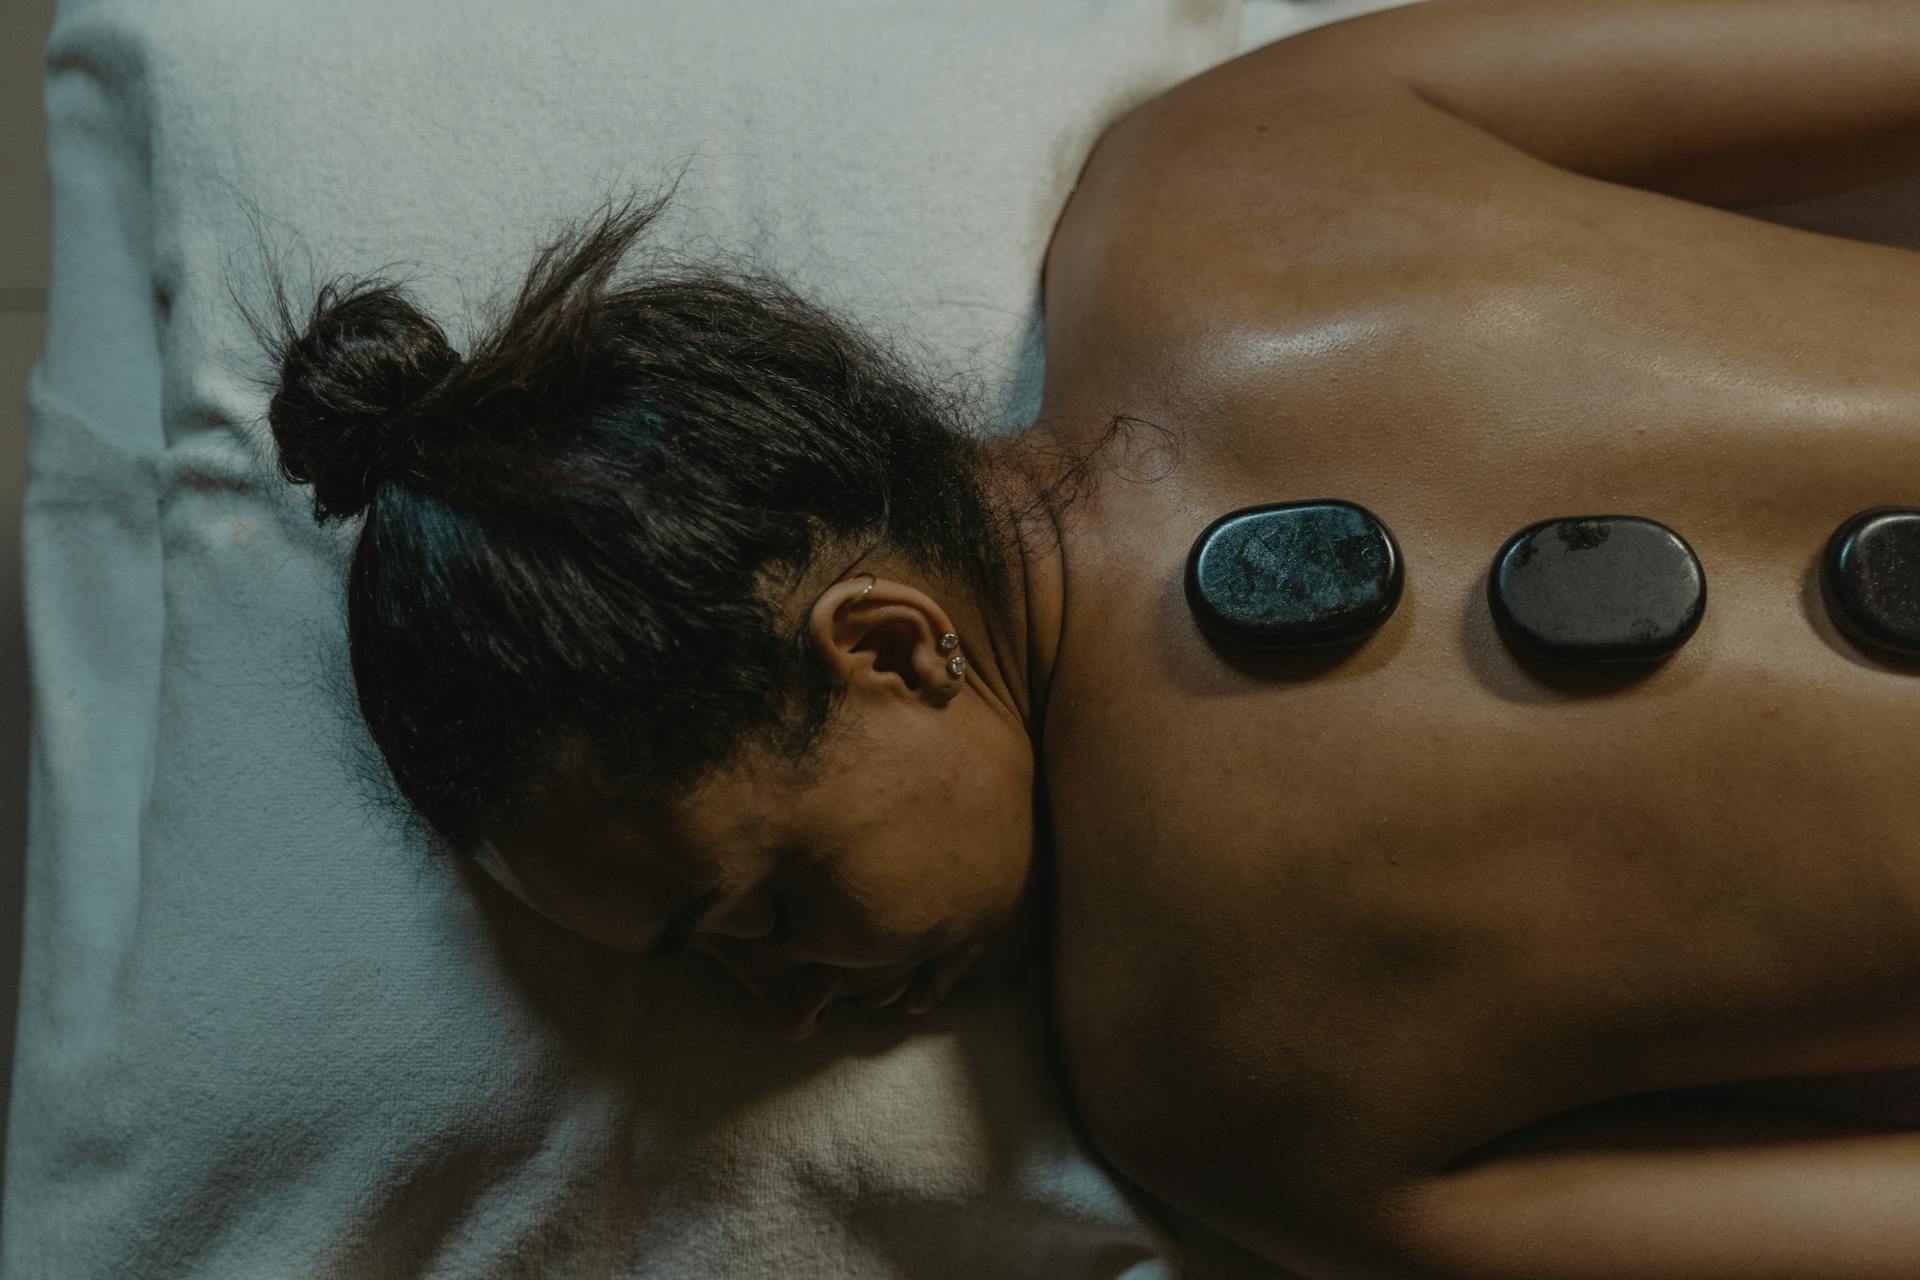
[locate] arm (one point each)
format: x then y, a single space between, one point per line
1722 102
1659 1189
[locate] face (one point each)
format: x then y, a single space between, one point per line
907 862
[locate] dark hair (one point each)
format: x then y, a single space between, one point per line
580 539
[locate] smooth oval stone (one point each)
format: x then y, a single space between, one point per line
1292 574
1597 589
1870 576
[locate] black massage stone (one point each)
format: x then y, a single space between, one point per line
1870 576
1289 575
1597 589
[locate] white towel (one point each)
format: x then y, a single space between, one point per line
259 1035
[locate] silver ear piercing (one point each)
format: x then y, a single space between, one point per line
957 665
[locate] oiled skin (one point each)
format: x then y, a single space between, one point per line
1326 923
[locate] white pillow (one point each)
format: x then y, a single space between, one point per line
259 1035
1265 21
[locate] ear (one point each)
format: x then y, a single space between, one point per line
886 639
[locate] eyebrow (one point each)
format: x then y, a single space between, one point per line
678 929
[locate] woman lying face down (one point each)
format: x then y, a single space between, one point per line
902 860
696 619
1415 959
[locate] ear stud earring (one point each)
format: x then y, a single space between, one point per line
948 642
957 665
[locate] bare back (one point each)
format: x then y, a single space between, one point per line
1327 919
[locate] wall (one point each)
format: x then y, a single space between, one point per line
24 25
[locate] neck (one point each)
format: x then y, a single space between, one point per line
1022 664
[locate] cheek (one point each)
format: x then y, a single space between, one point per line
951 858
985 842
965 883
997 849
904 895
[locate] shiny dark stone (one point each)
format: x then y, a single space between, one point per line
1597 589
1870 576
1287 575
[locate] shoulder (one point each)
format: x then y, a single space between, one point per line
1216 216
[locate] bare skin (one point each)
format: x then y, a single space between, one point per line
912 860
1326 923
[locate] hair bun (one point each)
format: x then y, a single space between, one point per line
351 390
